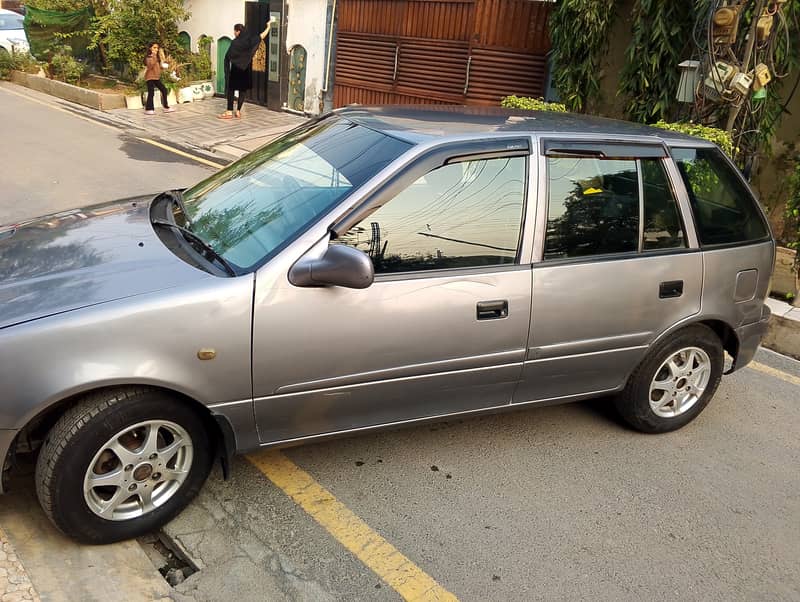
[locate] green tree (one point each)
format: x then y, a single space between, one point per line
129 26
59 5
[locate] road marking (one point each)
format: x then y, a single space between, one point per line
789 378
180 152
165 147
406 578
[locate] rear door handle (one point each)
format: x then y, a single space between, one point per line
670 289
492 310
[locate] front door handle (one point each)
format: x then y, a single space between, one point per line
670 289
492 310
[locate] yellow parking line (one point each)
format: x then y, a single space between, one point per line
176 151
406 578
789 378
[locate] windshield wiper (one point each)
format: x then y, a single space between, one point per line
192 237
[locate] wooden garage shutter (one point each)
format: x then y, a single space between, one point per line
440 51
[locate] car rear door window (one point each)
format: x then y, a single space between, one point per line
601 206
724 209
593 207
461 215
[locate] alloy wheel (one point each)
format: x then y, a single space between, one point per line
138 470
679 382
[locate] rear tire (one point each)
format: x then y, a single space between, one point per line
120 464
674 383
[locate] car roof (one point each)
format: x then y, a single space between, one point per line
5 12
420 123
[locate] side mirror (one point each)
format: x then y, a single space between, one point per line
339 266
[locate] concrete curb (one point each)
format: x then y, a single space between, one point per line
63 570
82 96
783 334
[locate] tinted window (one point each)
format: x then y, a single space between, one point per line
253 207
593 207
460 215
724 210
662 224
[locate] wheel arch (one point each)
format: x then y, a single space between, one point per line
218 427
726 334
721 328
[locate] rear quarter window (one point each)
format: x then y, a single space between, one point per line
724 210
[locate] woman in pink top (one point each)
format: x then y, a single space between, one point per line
152 75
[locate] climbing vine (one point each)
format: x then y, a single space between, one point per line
659 43
579 31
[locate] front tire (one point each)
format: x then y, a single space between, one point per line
120 464
674 383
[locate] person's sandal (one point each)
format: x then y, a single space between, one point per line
225 115
238 114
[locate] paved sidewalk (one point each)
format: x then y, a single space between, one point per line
15 585
195 125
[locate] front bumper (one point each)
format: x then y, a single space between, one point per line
750 337
6 440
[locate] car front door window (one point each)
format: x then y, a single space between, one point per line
461 215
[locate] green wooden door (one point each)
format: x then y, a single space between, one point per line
222 47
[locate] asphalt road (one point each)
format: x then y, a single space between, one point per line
53 160
551 503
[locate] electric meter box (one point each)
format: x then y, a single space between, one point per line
741 82
762 76
719 76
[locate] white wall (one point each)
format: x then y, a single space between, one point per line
214 18
305 26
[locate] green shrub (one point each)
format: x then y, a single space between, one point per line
531 104
195 66
793 213
719 137
64 66
19 61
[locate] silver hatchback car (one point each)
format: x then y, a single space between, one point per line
375 267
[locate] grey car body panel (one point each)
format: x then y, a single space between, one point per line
85 257
615 314
384 349
333 360
721 275
150 339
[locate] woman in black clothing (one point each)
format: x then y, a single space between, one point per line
239 66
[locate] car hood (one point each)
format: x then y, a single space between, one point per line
84 257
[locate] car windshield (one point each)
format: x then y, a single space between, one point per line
251 209
10 22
